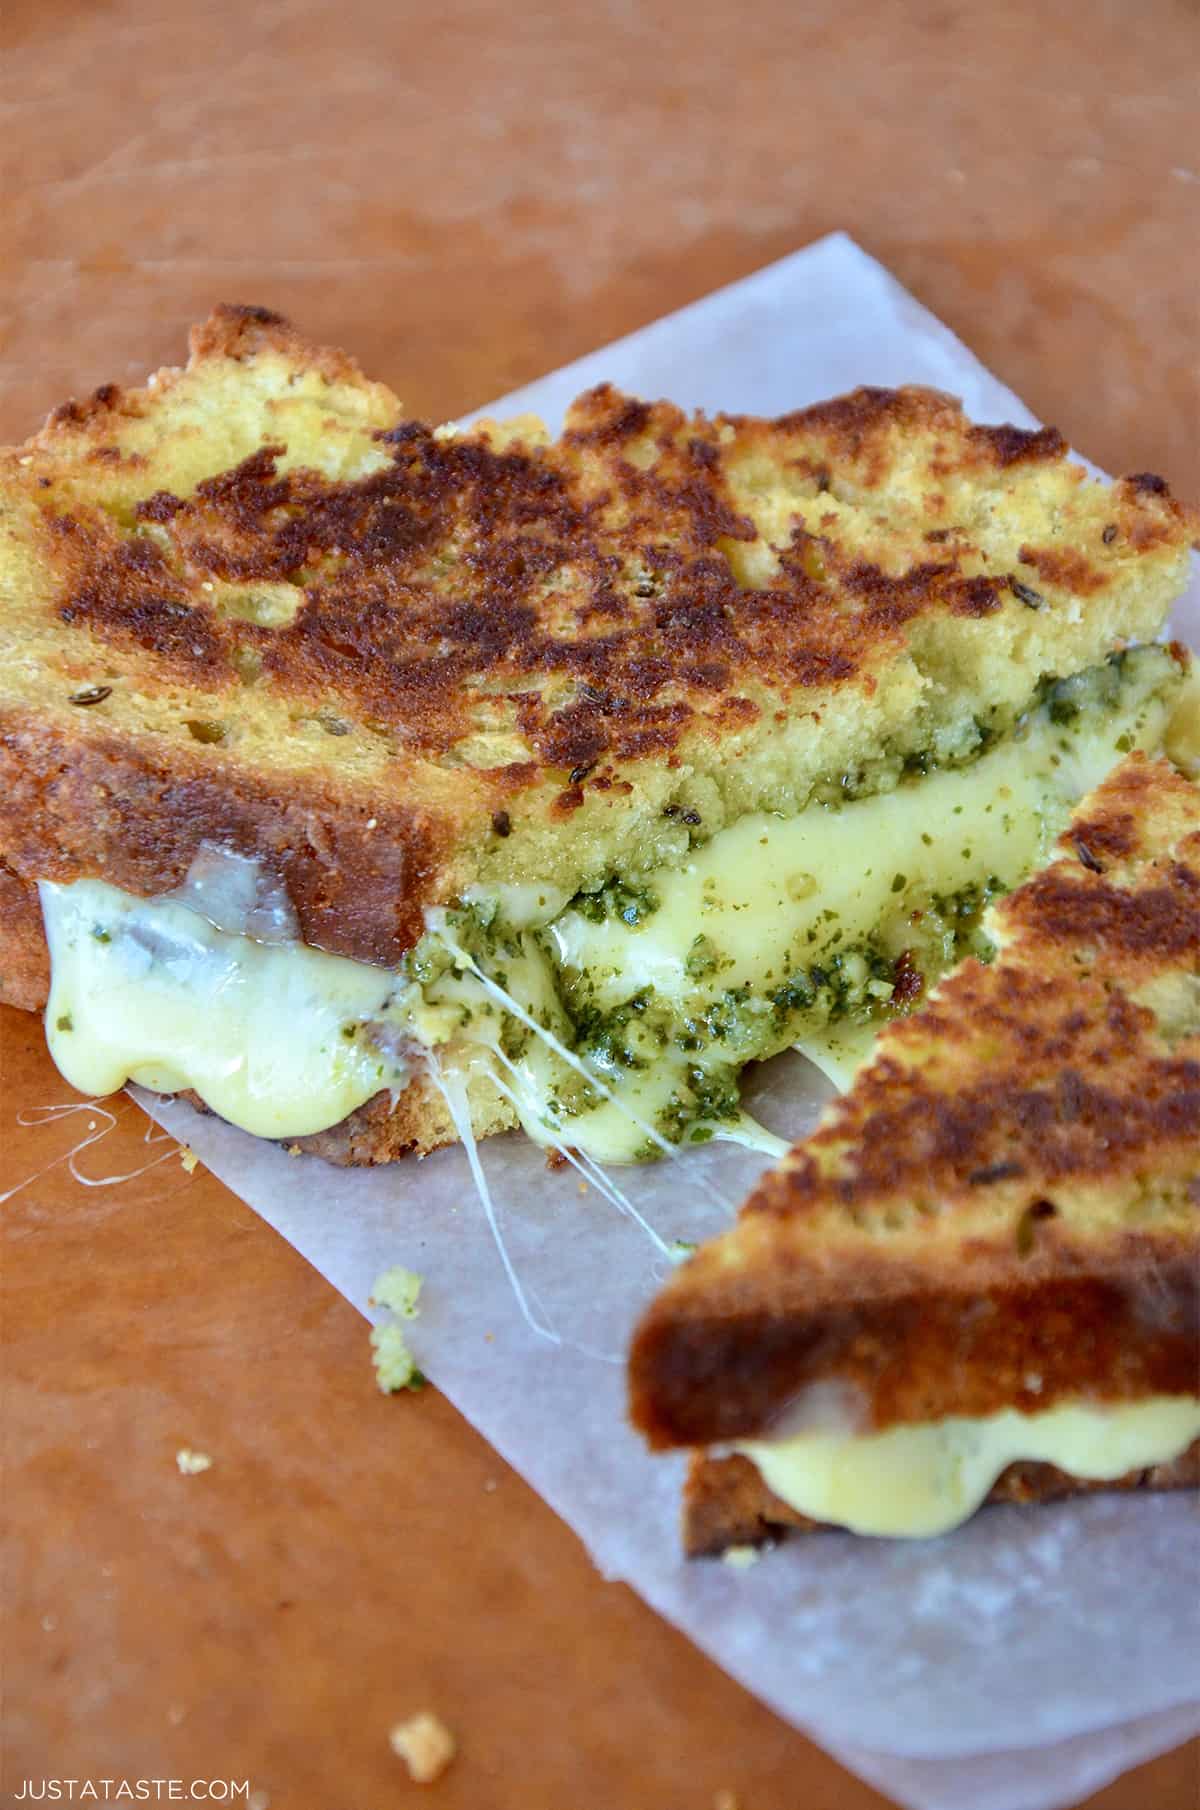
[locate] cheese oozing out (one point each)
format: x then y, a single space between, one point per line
619 1032
148 990
920 1480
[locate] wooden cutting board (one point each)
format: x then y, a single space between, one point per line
466 197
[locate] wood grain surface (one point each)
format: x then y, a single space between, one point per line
466 196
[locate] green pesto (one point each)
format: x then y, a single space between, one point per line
710 1034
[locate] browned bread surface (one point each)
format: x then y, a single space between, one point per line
1005 1208
24 957
726 1503
414 1123
253 604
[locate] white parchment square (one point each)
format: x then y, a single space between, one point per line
1013 1665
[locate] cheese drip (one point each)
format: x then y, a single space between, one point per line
914 1481
268 1034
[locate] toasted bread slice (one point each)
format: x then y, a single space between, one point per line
253 607
1003 1214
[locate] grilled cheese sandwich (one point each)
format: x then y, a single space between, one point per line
346 755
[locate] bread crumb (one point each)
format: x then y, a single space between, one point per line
191 1463
725 1800
188 1158
740 1558
425 1745
491 1485
395 1365
397 1290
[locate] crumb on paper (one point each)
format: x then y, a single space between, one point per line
175 1714
188 1158
740 1558
258 1800
425 1745
192 1463
49 1623
725 1800
395 1366
398 1290
491 1485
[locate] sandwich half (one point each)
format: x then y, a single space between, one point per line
378 784
980 1276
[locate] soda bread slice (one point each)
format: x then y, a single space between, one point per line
1003 1212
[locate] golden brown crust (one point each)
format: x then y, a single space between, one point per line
726 1502
24 957
357 871
1005 1209
455 572
386 1128
922 1343
256 582
240 330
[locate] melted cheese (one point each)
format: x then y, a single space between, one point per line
840 1050
915 1481
768 890
150 991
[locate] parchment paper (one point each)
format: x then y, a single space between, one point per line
1015 1664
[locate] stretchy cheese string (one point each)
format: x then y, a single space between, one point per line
49 1115
454 1092
505 1000
586 1165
